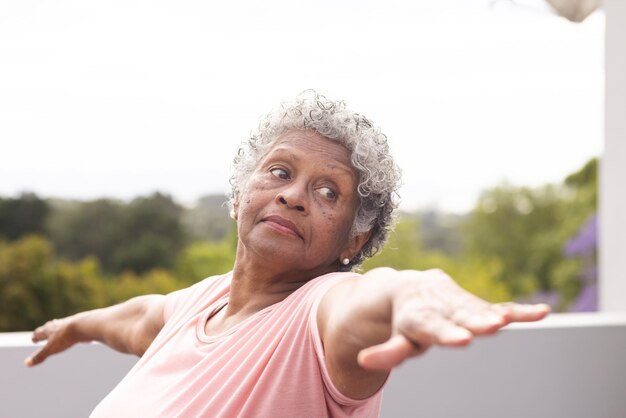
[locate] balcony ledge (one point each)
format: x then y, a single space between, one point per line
568 365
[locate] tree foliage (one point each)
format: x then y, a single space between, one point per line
204 259
405 250
527 229
23 215
34 286
519 226
79 229
147 233
208 220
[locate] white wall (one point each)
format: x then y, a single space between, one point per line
568 366
613 168
66 387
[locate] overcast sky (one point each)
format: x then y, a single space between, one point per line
121 98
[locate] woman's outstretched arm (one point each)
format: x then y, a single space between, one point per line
373 323
129 327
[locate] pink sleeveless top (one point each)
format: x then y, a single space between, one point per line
270 365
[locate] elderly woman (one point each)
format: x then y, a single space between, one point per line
290 331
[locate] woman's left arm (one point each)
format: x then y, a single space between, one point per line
373 323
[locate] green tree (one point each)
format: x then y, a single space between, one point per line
208 220
153 235
526 230
81 229
520 227
35 287
582 190
130 284
203 259
145 234
23 215
405 250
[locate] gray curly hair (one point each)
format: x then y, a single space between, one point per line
379 176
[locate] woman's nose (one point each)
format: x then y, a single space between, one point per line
294 197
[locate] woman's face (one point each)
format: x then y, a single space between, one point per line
297 208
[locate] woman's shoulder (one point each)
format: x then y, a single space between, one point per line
330 279
314 289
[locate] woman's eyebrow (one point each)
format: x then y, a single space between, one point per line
281 151
341 167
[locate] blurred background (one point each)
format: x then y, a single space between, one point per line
119 120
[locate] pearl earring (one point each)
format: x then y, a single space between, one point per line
345 261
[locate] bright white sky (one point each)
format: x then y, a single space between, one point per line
121 98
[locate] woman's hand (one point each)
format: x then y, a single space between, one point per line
129 327
59 334
429 308
371 324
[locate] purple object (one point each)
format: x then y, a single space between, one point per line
586 240
587 300
584 245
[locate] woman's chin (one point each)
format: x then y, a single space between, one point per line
278 254
281 258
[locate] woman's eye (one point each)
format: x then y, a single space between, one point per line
280 173
327 193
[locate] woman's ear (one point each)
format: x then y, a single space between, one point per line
234 212
355 244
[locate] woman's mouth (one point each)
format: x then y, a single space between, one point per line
282 225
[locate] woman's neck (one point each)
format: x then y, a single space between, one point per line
258 283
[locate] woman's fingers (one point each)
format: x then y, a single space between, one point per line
429 326
417 331
41 333
516 312
57 338
480 321
35 358
389 354
38 356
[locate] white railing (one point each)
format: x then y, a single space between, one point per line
612 202
567 366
